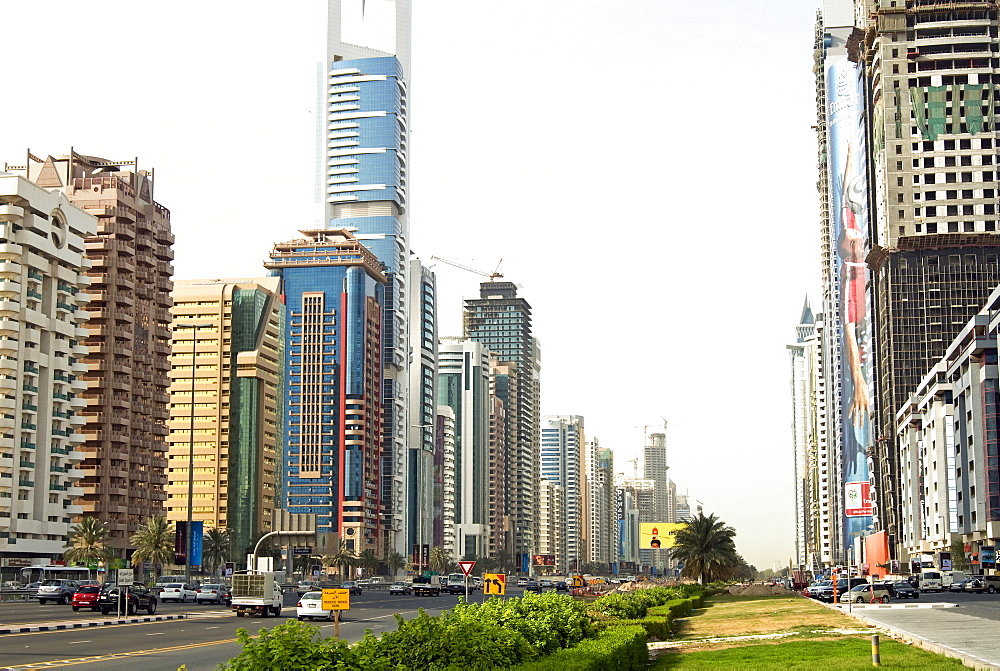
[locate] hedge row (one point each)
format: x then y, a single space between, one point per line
615 649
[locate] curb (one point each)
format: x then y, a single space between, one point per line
59 626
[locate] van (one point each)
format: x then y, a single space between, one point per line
950 577
930 581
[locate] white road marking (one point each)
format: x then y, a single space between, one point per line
73 642
159 633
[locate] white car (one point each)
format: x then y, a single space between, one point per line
178 591
521 582
310 606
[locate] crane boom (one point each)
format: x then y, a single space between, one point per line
495 274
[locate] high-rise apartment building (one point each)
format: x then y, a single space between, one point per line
551 534
362 138
333 288
500 535
502 322
654 467
599 504
443 517
129 341
464 386
562 463
42 259
225 410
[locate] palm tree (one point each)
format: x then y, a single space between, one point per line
154 542
86 542
368 560
440 560
394 561
216 546
342 559
705 545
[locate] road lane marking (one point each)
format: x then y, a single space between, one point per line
118 655
159 633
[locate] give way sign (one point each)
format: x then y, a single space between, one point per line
466 566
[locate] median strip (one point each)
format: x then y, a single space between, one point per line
58 626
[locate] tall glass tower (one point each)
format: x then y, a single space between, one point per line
362 140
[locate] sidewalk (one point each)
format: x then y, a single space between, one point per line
77 624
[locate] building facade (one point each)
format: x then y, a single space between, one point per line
333 288
562 463
501 321
227 366
42 327
599 504
444 480
654 467
551 535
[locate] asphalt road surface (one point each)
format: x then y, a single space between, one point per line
206 638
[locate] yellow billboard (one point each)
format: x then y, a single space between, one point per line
657 535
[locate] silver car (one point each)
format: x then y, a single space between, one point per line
58 590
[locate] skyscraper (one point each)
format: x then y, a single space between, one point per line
502 322
362 137
562 439
41 327
333 288
227 368
654 467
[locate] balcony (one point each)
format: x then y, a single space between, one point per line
10 250
9 326
9 288
10 269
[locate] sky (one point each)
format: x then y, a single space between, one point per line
646 171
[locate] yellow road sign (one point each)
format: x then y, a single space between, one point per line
336 599
578 581
495 584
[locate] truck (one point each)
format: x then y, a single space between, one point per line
256 593
930 581
425 587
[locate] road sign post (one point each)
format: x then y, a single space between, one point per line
494 584
466 567
336 600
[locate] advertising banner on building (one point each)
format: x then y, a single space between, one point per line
658 535
849 222
543 560
620 523
988 556
197 532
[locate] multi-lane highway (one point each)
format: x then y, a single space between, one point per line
202 640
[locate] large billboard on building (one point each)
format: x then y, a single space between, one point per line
543 560
658 535
620 524
849 222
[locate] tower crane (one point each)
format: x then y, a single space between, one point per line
495 274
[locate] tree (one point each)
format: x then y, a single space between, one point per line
959 561
154 542
216 546
706 546
368 560
342 559
440 560
86 542
394 561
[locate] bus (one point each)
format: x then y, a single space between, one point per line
30 574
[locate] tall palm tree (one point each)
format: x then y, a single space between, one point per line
86 542
342 559
368 560
440 560
154 542
216 546
706 546
394 561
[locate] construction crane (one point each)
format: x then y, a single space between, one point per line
635 467
495 274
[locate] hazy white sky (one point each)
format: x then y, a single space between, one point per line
644 168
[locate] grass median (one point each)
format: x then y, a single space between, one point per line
781 632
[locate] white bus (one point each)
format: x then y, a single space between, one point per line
30 574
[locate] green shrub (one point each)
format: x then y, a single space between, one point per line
548 622
657 626
633 605
613 649
292 645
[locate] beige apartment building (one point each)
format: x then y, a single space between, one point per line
227 364
127 345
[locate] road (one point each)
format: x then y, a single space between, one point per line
204 639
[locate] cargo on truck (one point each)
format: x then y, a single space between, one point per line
256 593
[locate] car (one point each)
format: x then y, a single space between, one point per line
902 590
533 586
56 589
178 592
136 598
306 586
12 584
310 606
843 585
352 586
976 585
214 593
814 589
32 586
81 583
562 586
477 582
546 583
865 593
521 582
87 596
400 588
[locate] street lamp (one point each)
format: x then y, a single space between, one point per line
190 497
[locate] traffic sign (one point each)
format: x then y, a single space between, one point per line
336 599
126 577
495 584
302 550
466 566
578 581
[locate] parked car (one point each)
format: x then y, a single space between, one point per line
865 593
12 584
400 588
352 586
310 606
56 589
562 586
826 593
902 590
814 589
521 582
178 592
214 593
136 598
976 585
306 586
87 596
533 586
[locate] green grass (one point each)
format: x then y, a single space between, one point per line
850 652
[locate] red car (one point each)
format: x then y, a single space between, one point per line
86 597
